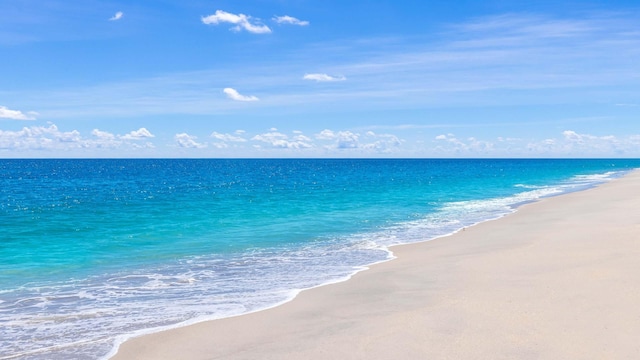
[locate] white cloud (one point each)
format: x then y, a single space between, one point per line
69 136
51 138
105 139
286 19
41 138
573 136
117 16
370 142
301 137
281 141
187 141
220 145
235 95
466 147
326 134
147 145
382 143
6 113
586 144
447 137
227 137
569 143
139 134
343 139
323 77
103 134
241 21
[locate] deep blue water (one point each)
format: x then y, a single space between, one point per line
94 249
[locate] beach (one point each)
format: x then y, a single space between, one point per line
558 279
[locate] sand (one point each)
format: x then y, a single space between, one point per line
558 279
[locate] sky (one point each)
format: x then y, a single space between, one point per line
319 78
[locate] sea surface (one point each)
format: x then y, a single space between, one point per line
93 252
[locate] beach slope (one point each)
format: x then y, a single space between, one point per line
558 279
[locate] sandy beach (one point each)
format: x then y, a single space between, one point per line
558 279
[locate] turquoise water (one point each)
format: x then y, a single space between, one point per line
95 251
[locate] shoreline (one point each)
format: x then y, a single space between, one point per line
344 318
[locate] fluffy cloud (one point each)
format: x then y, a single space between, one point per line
70 137
34 137
575 142
105 139
569 143
323 77
187 141
117 16
382 143
51 138
242 22
343 139
471 145
41 138
235 95
369 142
573 136
286 19
6 113
450 138
281 141
139 134
227 137
104 135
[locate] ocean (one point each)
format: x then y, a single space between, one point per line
96 251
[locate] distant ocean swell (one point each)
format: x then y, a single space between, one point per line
86 315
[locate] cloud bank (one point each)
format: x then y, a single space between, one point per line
51 139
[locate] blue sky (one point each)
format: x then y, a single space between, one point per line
311 78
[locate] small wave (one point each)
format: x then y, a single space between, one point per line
529 186
597 178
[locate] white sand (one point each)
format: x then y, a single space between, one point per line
559 279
